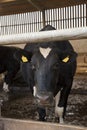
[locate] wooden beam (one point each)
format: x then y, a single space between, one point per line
21 6
5 1
15 124
35 4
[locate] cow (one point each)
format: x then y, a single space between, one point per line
49 68
8 65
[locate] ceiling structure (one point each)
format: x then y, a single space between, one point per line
20 6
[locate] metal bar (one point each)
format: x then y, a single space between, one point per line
43 17
61 17
83 15
86 14
75 18
68 16
65 19
54 35
70 22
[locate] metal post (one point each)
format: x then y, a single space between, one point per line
86 14
43 17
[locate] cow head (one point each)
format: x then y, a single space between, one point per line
49 65
46 64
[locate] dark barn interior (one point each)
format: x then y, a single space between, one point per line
25 16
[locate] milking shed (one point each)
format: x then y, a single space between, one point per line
20 22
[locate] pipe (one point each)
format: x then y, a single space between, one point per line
54 35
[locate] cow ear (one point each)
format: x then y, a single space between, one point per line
23 56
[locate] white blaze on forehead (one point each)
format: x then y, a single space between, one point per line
45 51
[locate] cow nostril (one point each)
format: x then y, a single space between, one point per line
44 98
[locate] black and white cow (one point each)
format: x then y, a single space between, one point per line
49 68
8 64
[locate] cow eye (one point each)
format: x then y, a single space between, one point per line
56 66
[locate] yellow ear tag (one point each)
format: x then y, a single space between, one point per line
66 59
24 59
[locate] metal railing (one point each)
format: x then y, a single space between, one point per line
60 18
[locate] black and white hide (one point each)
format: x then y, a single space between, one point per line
49 69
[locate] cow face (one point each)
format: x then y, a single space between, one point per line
46 65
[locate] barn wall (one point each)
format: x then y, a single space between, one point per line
80 45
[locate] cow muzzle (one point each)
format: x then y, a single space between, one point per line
44 98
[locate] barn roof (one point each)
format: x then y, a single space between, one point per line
20 6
